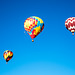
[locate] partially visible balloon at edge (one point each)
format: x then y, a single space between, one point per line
70 24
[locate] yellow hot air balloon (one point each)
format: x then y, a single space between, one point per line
7 55
33 25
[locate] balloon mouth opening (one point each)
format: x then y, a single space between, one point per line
72 32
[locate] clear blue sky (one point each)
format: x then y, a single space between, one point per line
53 50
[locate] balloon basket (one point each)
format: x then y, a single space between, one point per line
32 40
72 33
6 62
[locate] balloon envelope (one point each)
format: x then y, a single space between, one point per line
33 25
7 55
70 24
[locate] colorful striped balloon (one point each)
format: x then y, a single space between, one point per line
33 25
7 55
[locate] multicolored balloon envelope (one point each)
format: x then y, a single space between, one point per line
7 55
70 24
33 25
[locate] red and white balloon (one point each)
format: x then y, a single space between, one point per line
70 24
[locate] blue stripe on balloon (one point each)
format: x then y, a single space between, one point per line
38 24
41 24
30 32
34 27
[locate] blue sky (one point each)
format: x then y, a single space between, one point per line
53 50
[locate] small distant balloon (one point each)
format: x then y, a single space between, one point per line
70 24
33 25
7 55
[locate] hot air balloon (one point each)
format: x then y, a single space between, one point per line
7 55
33 25
70 24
